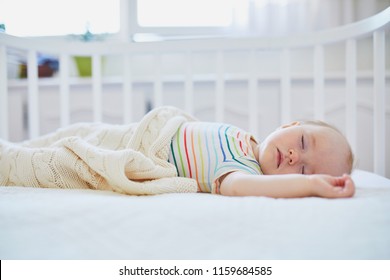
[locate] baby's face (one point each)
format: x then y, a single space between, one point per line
304 149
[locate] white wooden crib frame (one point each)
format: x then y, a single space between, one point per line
375 26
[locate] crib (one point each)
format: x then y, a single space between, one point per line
255 83
231 63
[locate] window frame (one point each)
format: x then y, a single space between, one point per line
131 27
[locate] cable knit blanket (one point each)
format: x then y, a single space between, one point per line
129 159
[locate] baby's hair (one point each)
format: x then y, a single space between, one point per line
350 157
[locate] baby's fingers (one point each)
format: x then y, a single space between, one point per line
347 189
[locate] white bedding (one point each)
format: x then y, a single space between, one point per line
86 224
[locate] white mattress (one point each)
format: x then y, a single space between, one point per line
86 224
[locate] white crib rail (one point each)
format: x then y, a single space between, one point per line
3 93
379 102
350 33
33 104
64 90
351 99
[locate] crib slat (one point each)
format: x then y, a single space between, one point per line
33 104
64 90
3 94
127 89
285 110
319 98
253 96
158 87
220 88
351 98
189 85
379 102
97 87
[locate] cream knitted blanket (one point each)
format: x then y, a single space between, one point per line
130 159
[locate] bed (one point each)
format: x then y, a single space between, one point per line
84 224
38 223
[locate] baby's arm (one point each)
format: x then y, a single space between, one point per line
287 186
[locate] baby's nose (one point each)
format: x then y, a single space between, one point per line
292 156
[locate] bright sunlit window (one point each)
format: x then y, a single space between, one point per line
184 13
59 17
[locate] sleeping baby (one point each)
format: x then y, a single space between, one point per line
170 151
297 160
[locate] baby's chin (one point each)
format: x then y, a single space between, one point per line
267 171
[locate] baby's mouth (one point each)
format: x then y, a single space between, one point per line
279 157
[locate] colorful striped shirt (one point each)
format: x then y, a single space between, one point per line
206 151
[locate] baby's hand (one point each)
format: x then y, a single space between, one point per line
332 187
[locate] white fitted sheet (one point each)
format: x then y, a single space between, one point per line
87 224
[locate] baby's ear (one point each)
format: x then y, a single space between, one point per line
291 124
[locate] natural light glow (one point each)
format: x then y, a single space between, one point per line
174 13
59 17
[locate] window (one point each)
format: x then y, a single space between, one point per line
184 17
186 13
217 17
59 17
242 17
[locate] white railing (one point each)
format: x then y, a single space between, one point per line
375 26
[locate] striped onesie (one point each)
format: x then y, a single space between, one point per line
206 151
